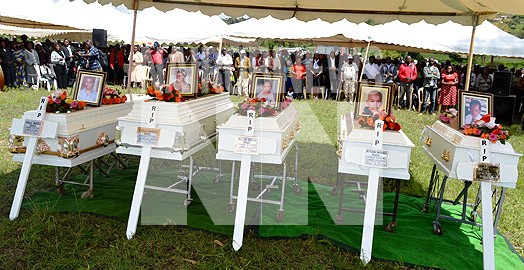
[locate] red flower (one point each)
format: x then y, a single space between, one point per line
486 118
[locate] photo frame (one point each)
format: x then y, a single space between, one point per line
472 106
184 77
89 87
369 95
273 82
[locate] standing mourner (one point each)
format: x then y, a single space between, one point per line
225 64
7 58
407 74
431 76
350 77
31 64
484 81
19 60
93 57
157 68
58 59
136 67
243 63
448 91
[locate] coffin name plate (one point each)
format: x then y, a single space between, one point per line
376 158
247 145
486 172
32 128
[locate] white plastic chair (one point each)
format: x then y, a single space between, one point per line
40 80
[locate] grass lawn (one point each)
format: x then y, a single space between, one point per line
48 240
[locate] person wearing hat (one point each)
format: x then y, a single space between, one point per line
243 64
349 77
181 84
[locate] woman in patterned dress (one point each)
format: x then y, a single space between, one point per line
19 58
448 91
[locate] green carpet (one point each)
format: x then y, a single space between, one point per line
309 213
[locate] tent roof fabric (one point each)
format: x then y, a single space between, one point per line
433 11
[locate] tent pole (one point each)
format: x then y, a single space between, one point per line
364 62
470 57
492 60
220 46
128 85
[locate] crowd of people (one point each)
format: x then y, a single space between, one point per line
329 76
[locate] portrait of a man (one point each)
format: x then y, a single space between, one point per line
88 88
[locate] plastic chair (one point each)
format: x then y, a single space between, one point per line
41 81
146 80
421 100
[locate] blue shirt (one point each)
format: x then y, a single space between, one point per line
82 95
94 59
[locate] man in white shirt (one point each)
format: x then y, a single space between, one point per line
225 64
371 69
350 77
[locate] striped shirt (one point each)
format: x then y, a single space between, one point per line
94 59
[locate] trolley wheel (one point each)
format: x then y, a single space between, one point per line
297 188
391 227
473 216
334 191
339 220
230 208
425 208
121 166
88 194
60 189
437 229
280 216
187 202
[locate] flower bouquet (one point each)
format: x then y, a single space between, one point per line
486 128
449 117
261 106
112 96
59 102
389 121
166 93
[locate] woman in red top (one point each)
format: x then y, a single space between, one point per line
299 73
448 91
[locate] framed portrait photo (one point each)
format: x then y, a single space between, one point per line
268 86
473 105
373 98
89 87
183 77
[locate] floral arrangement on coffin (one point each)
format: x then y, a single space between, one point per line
166 93
59 102
215 89
486 128
448 116
261 106
112 96
389 121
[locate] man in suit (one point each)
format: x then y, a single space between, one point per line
69 51
7 62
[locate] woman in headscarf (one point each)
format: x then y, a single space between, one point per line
19 60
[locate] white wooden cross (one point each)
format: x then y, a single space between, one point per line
248 146
488 249
33 129
375 159
147 137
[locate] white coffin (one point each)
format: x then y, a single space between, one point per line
355 141
87 124
185 127
454 153
276 135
